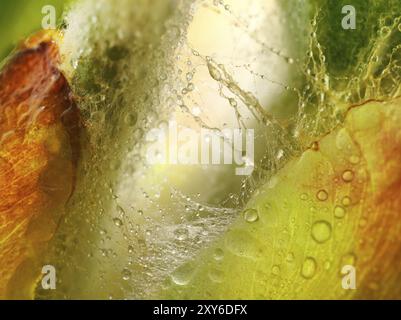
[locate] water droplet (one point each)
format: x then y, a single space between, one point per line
315 146
118 222
233 102
309 268
363 222
273 182
126 273
116 53
183 274
218 254
385 31
321 231
190 87
196 111
346 201
290 257
214 72
339 212
322 195
374 286
243 244
348 175
131 119
181 234
354 159
280 154
120 211
276 270
216 275
348 259
104 252
290 60
251 215
115 165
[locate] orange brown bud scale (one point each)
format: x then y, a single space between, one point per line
39 148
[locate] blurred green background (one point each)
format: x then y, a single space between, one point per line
19 18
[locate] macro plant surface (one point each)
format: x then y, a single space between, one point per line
78 104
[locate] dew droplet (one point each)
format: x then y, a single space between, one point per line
276 270
354 159
321 231
348 175
120 211
348 259
385 31
309 268
183 274
339 212
280 154
126 273
131 119
218 254
290 257
315 146
233 102
189 76
181 234
214 72
374 286
196 111
290 60
118 222
346 201
251 215
216 275
322 195
190 87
